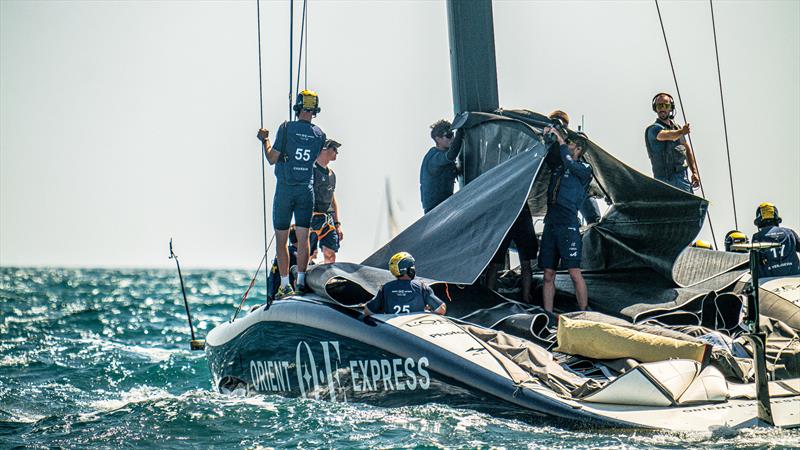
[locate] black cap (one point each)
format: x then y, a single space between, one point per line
331 143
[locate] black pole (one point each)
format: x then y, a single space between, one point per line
756 337
473 66
195 344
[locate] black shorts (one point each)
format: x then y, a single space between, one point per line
297 200
323 233
524 238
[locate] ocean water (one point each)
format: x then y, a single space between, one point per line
99 358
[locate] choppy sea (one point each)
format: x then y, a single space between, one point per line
100 358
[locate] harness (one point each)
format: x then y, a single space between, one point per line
327 225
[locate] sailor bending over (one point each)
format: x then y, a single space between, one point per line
781 261
561 239
669 151
326 230
405 295
297 145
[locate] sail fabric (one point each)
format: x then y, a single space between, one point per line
455 241
648 224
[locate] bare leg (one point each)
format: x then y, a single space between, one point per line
302 248
282 236
549 289
527 279
491 276
580 288
329 255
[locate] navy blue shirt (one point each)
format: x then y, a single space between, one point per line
661 152
437 175
403 297
781 261
566 192
299 143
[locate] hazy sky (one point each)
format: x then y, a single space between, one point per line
123 124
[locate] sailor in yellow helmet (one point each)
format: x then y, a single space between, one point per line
735 237
405 295
297 145
781 261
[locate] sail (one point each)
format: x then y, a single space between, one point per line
456 240
647 225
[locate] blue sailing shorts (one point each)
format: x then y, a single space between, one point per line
560 243
323 232
292 199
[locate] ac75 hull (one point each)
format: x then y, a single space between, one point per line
313 349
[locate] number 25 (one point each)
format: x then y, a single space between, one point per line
399 310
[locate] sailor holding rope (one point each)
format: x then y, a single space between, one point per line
669 151
297 145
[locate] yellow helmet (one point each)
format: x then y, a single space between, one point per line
767 212
402 263
735 237
701 244
307 101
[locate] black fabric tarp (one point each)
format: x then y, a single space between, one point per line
456 240
648 224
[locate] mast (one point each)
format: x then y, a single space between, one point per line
473 67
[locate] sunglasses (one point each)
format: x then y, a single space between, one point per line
448 135
663 105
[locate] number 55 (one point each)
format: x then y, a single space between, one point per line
302 154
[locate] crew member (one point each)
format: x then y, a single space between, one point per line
561 240
405 295
437 175
669 150
524 238
297 145
735 237
326 230
274 280
589 210
780 261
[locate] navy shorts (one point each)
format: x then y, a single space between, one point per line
560 243
524 238
323 232
292 199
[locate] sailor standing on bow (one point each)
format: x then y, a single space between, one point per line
326 230
297 145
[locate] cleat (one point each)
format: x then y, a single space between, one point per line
301 289
284 292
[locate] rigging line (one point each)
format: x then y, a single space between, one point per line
302 38
263 144
305 63
252 283
724 121
291 55
683 114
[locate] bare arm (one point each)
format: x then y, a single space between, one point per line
692 165
272 155
440 310
336 223
673 135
